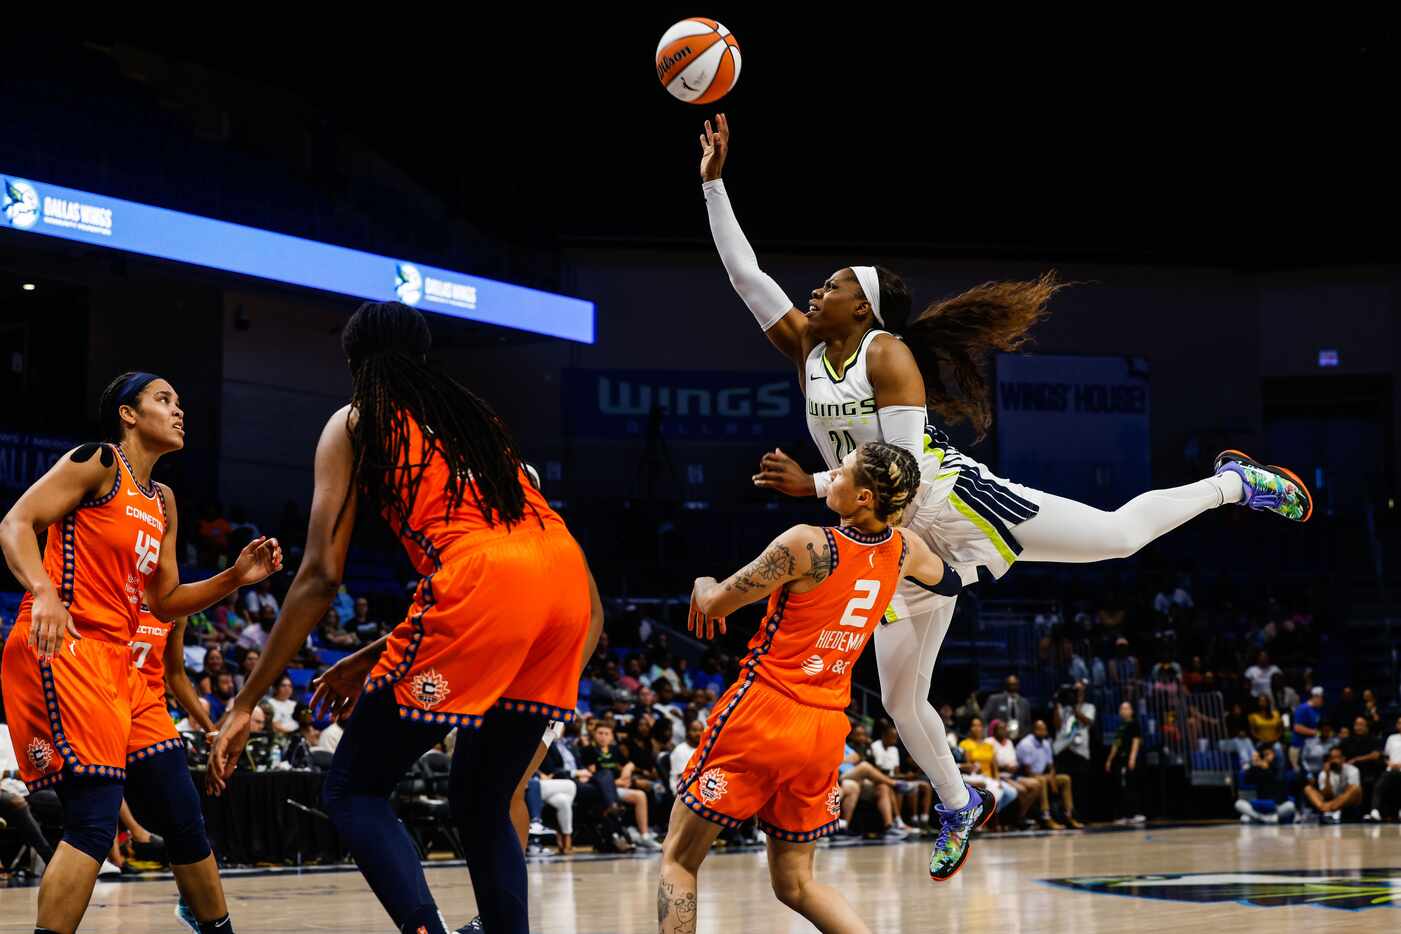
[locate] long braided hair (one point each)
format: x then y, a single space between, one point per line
891 473
394 386
955 335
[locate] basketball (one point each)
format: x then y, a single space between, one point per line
698 60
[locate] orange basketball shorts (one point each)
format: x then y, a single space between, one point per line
152 729
767 756
70 713
500 623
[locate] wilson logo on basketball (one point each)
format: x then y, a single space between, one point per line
814 665
667 62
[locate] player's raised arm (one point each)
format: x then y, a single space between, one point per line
783 324
792 555
928 570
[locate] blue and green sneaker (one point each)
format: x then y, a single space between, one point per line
1268 488
955 829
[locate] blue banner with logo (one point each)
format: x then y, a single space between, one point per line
38 207
25 458
1074 426
683 405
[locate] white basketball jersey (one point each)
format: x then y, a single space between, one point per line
841 414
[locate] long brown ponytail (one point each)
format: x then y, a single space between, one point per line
955 335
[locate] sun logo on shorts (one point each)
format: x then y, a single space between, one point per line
712 786
834 801
41 754
430 688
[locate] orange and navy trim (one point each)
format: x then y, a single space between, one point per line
751 666
65 751
419 715
149 493
549 710
70 530
791 837
165 745
425 594
866 538
832 549
105 498
709 813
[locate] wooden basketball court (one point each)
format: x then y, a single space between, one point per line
1250 876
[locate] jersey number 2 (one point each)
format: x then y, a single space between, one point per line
866 593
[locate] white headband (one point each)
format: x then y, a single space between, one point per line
870 284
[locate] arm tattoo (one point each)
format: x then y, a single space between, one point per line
821 562
775 564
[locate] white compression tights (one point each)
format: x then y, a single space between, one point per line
1068 532
1064 531
905 654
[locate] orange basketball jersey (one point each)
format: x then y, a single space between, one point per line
431 531
809 641
101 555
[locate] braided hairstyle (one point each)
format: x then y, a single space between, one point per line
891 473
393 385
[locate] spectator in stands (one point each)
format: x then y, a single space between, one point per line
1388 790
1271 803
661 668
344 605
682 754
640 751
859 778
1315 751
1261 674
284 705
1285 697
1036 758
1010 707
1166 675
1009 772
14 797
1123 763
666 702
365 628
1339 786
214 663
221 695
950 733
1371 712
246 664
980 764
1266 725
631 678
1363 749
712 674
255 634
918 796
227 618
212 536
1307 718
330 635
1123 667
1073 718
1347 709
604 757
1194 676
259 598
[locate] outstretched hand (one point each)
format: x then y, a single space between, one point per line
337 688
778 471
228 746
715 146
260 558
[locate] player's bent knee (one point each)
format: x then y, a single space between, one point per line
90 810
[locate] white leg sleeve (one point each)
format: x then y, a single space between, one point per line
1243 807
559 793
1068 532
1285 811
905 653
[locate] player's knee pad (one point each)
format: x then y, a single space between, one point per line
163 796
91 807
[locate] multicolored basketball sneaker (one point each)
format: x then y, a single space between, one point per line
955 829
1268 488
186 914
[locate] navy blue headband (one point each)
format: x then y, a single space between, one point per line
133 386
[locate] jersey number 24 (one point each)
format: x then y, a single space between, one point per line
842 443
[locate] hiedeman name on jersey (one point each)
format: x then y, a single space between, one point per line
839 409
841 641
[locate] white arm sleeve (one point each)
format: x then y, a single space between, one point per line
765 299
903 426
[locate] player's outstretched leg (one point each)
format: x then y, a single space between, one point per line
688 840
790 873
955 828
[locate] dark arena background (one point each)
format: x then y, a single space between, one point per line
1221 204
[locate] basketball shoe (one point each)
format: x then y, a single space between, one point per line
1268 488
955 829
